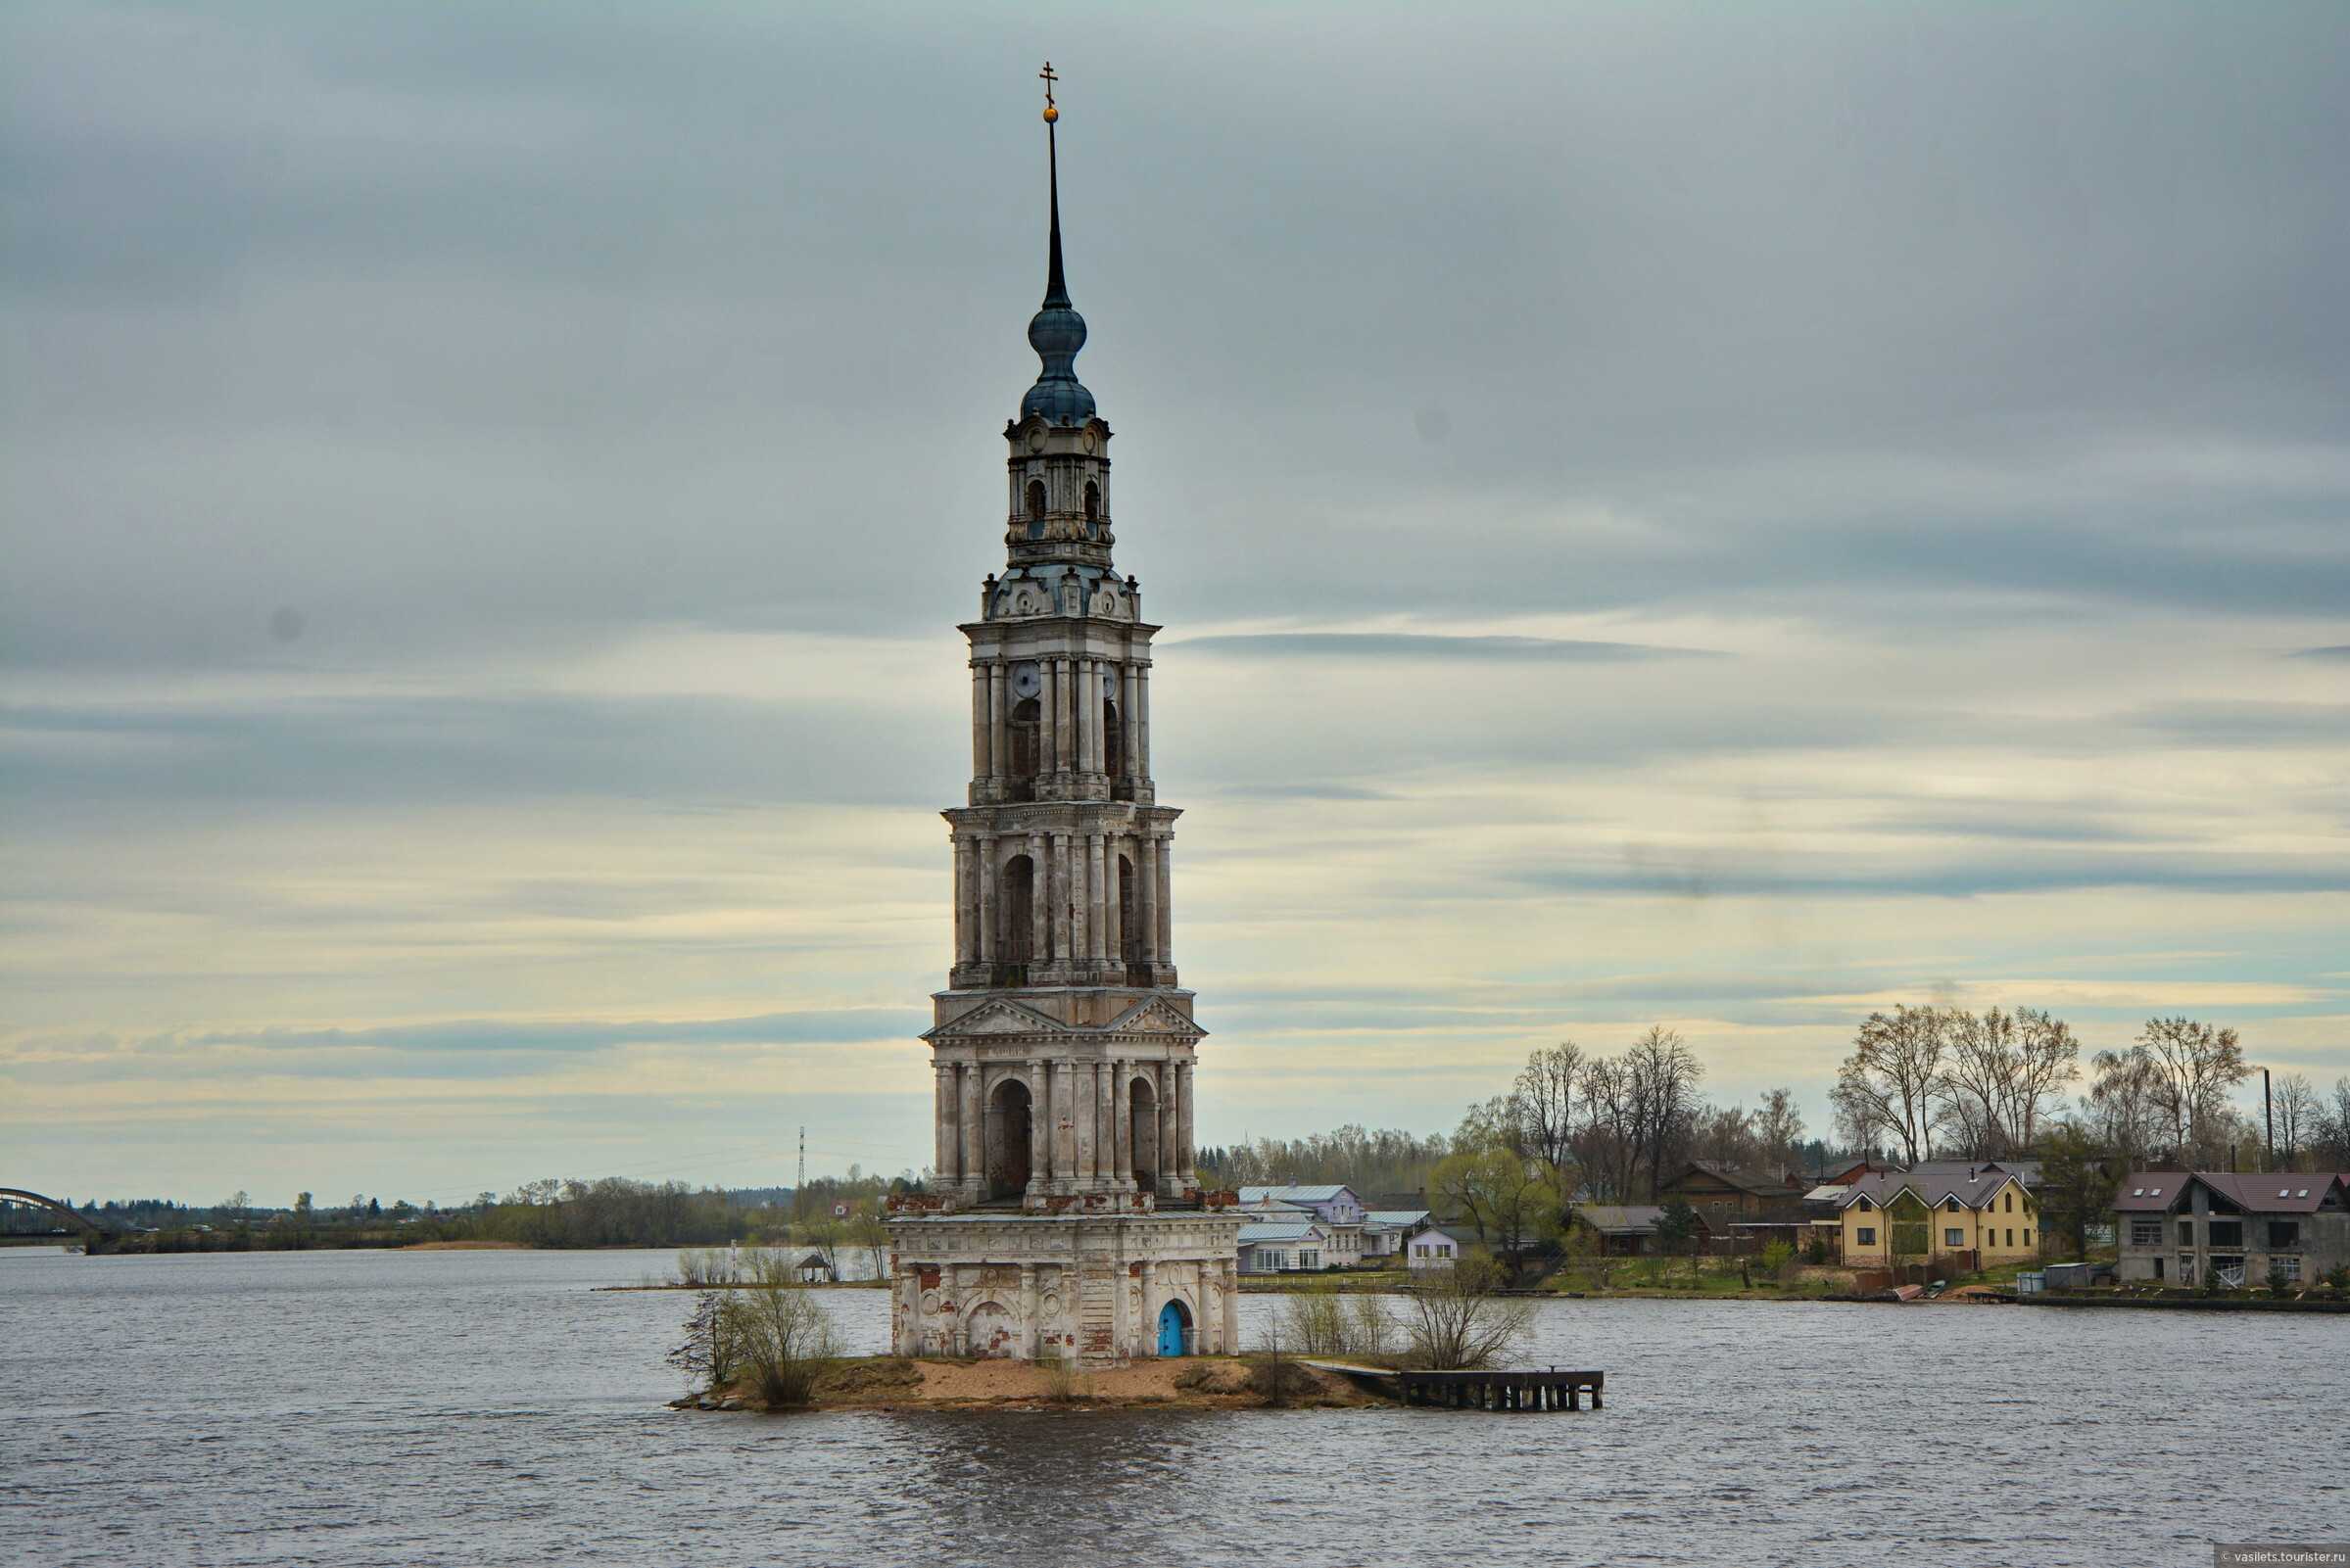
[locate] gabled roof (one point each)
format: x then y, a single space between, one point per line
1326 1193
2277 1193
1392 1219
1621 1220
1454 1228
2150 1192
1933 1183
1752 1181
1250 1234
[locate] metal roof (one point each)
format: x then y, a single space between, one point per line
1258 1233
1621 1220
1297 1195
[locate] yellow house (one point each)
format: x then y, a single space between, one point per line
1938 1210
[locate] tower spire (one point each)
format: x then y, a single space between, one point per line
1056 287
1056 332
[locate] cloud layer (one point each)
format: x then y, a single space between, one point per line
1659 515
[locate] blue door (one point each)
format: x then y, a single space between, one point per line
1172 1323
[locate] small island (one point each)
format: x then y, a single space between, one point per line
909 1383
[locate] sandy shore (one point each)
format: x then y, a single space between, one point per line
1199 1382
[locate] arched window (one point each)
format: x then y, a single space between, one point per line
1093 503
1036 500
1143 1133
1016 900
1024 735
1113 742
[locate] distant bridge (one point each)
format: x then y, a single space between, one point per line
33 1199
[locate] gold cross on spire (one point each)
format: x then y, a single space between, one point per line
1048 77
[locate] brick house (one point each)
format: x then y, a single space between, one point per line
2178 1227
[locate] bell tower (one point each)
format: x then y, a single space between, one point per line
1063 1047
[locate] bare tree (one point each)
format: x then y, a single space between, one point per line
2297 1110
1454 1319
2123 1110
1663 1074
1546 1093
1778 1129
2198 1065
1888 1088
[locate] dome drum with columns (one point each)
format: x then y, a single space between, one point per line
1062 1216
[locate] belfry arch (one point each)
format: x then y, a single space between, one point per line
1011 1139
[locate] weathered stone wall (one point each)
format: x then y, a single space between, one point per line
1087 1287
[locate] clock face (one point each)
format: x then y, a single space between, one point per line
1026 682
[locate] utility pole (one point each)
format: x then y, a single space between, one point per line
803 1166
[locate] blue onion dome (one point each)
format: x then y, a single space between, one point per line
1057 332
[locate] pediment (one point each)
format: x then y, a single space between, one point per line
1154 1015
998 1016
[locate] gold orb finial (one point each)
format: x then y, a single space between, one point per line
1051 114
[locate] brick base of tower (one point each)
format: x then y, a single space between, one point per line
1100 1290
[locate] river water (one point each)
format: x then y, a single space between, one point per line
491 1409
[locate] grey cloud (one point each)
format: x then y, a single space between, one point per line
2340 650
1355 646
1730 876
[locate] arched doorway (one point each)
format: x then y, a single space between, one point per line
1174 1329
1009 1132
1144 1134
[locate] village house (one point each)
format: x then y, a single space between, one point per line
1725 1193
1976 1215
1384 1230
1436 1245
1278 1249
2181 1227
1621 1230
1333 1207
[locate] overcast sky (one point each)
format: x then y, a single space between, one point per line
1720 516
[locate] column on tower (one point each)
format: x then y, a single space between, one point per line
1232 1307
1166 848
1040 901
1105 1132
1041 1158
1065 1147
987 895
1142 725
983 765
999 726
948 1158
1061 738
1122 1122
1185 1126
1113 915
962 855
1165 1104
1047 729
972 1126
1129 709
1080 1111
1081 713
1081 902
1146 867
1057 890
1096 902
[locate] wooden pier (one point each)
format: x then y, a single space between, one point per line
1518 1389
